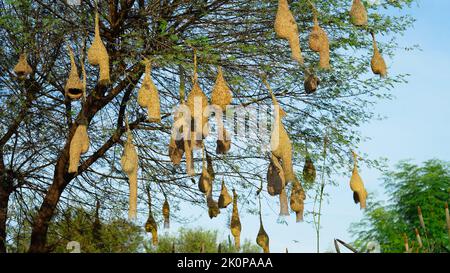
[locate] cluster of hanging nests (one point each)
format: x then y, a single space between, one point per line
186 138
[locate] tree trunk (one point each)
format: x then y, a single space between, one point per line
6 188
42 220
4 200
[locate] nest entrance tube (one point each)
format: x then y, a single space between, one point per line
129 162
78 145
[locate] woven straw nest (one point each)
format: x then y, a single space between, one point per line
223 143
318 42
197 102
74 86
151 226
213 206
78 145
309 170
311 83
286 28
22 68
275 177
358 13
284 206
235 224
378 64
224 197
129 162
297 200
262 239
166 214
98 55
221 94
280 142
357 186
148 95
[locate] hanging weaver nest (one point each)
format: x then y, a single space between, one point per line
78 145
311 83
286 28
205 180
197 102
129 162
309 171
97 225
224 197
213 207
98 55
358 13
210 167
378 64
22 68
148 95
262 239
280 142
223 145
297 200
275 177
74 86
166 214
357 185
318 42
151 226
221 94
176 151
235 224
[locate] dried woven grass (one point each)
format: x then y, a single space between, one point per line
262 239
98 55
297 199
22 68
224 197
74 86
280 142
129 162
311 83
205 181
357 186
378 64
318 42
197 102
78 145
309 171
151 226
213 206
275 177
166 214
235 224
358 13
223 145
175 153
221 94
286 28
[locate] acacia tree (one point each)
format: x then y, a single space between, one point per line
235 35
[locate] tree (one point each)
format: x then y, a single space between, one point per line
95 235
408 187
192 241
38 121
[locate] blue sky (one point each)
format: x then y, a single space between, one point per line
417 128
